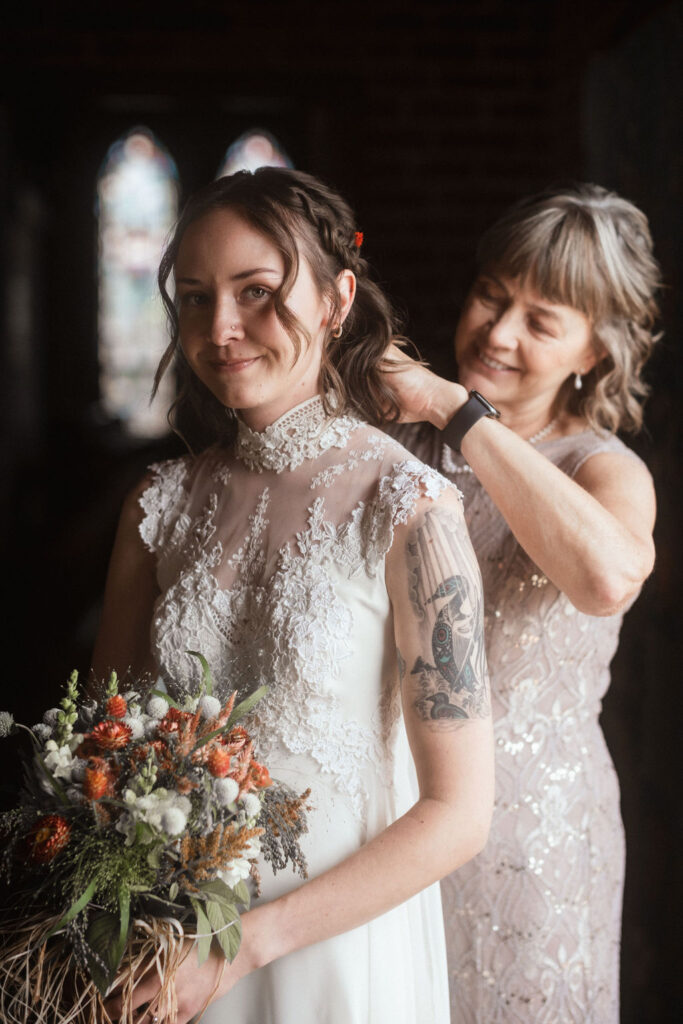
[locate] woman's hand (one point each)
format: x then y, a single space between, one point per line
195 986
421 394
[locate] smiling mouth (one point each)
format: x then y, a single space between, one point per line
232 365
493 364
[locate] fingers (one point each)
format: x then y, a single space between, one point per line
142 1003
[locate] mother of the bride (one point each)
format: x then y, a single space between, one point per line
550 348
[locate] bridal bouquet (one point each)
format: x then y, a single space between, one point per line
140 822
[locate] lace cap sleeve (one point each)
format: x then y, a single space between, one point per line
409 481
162 501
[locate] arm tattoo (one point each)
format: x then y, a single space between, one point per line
453 684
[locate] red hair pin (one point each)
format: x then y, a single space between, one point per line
358 239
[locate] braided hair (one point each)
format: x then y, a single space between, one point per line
302 217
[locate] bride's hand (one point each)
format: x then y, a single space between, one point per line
195 986
422 395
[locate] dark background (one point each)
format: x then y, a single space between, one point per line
430 117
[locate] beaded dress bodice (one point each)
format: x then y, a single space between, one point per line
533 922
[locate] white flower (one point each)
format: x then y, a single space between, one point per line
137 728
75 795
43 732
58 760
165 811
157 707
150 727
226 791
251 805
50 716
238 870
240 867
173 821
209 706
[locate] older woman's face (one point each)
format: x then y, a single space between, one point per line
517 348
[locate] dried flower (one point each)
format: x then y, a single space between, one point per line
48 836
109 735
218 762
358 239
259 775
98 779
117 707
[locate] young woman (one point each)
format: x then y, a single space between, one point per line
307 550
554 335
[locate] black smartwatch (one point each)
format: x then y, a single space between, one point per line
475 408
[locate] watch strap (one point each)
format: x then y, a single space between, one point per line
474 409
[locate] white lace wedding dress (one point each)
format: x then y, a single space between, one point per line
271 563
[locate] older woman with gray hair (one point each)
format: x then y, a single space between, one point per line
550 347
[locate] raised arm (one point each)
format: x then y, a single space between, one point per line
131 589
591 535
433 581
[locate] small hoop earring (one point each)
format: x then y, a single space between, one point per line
578 383
337 332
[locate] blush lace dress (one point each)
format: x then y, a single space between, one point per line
271 563
533 923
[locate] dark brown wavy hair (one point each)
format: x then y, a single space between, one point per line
302 217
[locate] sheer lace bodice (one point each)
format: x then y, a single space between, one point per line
271 563
533 922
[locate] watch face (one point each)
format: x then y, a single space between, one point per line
492 411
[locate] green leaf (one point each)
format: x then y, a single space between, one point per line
164 696
119 946
242 894
102 939
203 932
207 681
173 891
247 704
74 909
218 889
230 935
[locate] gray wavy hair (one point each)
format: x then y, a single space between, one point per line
590 249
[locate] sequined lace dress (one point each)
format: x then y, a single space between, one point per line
533 922
270 561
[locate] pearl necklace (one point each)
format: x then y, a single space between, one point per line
534 439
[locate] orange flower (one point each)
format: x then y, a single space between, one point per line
173 720
109 736
116 707
99 779
185 785
259 775
358 239
236 739
218 762
48 836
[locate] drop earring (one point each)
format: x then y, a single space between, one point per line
578 382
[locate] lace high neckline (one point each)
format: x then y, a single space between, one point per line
302 433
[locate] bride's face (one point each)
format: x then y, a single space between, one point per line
226 273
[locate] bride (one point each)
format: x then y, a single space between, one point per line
307 550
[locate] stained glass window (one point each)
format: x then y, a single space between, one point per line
137 201
256 148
